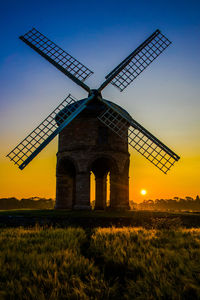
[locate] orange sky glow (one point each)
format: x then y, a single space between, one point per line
38 178
164 98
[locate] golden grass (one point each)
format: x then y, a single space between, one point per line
111 263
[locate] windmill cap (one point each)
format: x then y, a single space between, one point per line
93 109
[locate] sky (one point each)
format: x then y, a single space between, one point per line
164 98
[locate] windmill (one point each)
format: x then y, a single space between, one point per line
94 133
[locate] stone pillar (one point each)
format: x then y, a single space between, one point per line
64 192
101 191
113 190
123 192
119 194
82 201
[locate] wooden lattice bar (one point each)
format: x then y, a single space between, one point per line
138 137
139 60
26 150
54 54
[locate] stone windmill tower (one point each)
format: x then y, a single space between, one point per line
94 133
88 145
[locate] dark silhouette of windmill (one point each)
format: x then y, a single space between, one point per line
94 133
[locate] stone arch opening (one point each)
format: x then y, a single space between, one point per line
65 184
93 190
103 169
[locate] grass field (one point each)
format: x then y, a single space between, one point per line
102 263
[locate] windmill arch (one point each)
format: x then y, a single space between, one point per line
107 167
103 168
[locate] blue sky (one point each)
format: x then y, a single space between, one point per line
165 97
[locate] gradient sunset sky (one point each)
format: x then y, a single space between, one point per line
164 98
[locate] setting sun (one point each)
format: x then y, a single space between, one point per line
143 192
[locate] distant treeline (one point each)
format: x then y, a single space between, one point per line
31 203
175 204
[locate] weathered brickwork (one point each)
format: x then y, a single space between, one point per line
87 145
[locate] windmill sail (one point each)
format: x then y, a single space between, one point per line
42 135
137 61
113 117
138 137
58 57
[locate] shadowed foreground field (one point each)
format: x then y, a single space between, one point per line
92 219
103 263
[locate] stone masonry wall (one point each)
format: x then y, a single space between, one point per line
79 144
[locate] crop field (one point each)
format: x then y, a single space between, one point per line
44 262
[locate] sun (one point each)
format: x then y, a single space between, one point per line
143 192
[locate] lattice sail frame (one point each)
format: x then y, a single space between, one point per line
113 117
138 137
53 53
139 60
25 151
